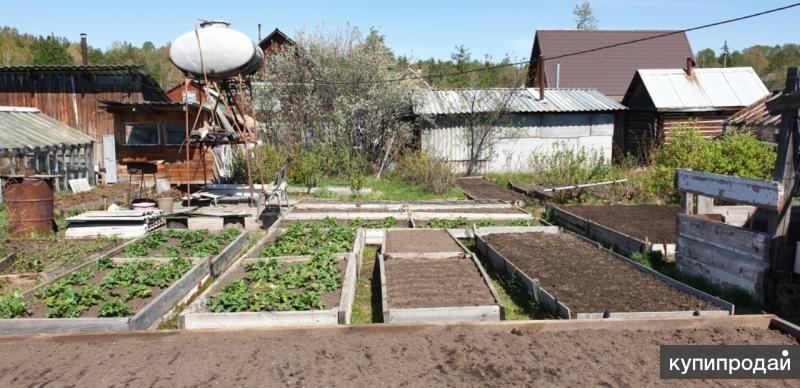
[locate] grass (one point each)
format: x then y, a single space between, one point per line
367 304
517 302
745 304
388 189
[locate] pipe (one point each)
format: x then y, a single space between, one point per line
540 76
259 32
84 50
558 75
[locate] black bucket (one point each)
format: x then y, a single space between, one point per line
270 215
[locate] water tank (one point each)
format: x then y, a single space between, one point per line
30 207
225 52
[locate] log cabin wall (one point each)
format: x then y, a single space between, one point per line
201 163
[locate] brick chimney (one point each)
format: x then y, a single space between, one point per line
690 64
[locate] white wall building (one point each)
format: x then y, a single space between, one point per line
522 124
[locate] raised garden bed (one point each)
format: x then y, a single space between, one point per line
482 189
383 223
116 294
580 279
629 229
428 275
304 275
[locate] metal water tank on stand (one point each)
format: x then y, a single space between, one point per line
30 206
220 51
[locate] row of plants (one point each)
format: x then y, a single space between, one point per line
386 223
195 243
267 286
121 283
463 222
307 238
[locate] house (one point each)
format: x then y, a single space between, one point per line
661 100
519 124
72 94
193 93
155 132
33 141
274 42
608 70
757 119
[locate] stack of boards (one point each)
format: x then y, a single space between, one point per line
120 223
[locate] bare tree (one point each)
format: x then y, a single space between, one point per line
487 122
584 16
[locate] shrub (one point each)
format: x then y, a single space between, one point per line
430 172
266 160
565 165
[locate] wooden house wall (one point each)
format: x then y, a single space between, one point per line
200 166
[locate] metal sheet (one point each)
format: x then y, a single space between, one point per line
440 102
707 88
28 128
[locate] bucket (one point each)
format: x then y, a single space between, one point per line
162 184
270 215
30 206
166 204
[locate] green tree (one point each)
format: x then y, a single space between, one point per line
584 16
706 58
51 50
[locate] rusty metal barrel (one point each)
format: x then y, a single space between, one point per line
30 206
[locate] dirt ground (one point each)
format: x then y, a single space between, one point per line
54 254
457 356
588 280
420 241
418 283
645 222
492 210
482 189
349 210
98 193
286 223
424 223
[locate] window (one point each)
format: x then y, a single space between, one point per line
174 133
141 134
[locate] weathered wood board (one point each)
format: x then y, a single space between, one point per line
765 194
625 244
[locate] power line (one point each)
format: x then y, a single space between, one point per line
487 68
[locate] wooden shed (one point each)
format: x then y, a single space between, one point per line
661 100
72 94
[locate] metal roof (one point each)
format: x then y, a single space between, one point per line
610 70
440 102
105 69
673 89
28 129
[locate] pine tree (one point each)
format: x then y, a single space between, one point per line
584 16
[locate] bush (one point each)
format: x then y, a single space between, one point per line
430 172
738 154
564 165
266 160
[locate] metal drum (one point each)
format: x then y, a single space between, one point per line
30 207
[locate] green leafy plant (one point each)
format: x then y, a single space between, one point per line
522 222
115 308
12 306
460 222
137 291
307 238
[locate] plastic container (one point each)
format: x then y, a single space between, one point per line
270 215
166 204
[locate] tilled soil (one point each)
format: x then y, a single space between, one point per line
98 193
454 356
418 283
482 189
428 241
348 210
588 280
54 254
425 223
487 210
646 222
286 223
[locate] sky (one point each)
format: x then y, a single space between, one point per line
418 29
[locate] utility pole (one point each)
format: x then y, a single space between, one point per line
725 53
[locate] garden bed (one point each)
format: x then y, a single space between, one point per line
119 293
428 275
581 280
629 229
531 353
482 189
303 275
382 223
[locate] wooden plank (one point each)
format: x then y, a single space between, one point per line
348 295
425 216
734 263
626 244
445 314
384 289
764 194
346 216
165 301
241 320
727 237
695 268
219 262
653 314
424 255
487 230
63 325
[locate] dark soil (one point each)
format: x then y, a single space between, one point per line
98 193
330 299
428 241
588 280
424 224
645 222
54 254
492 210
418 283
457 356
483 189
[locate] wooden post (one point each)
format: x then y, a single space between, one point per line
705 205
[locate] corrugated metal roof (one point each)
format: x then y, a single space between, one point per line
708 88
439 102
105 69
27 129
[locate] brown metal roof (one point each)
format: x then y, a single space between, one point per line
608 70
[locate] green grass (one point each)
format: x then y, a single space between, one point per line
386 188
367 304
745 304
517 302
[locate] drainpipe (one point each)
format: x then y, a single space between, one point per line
84 50
540 76
558 75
